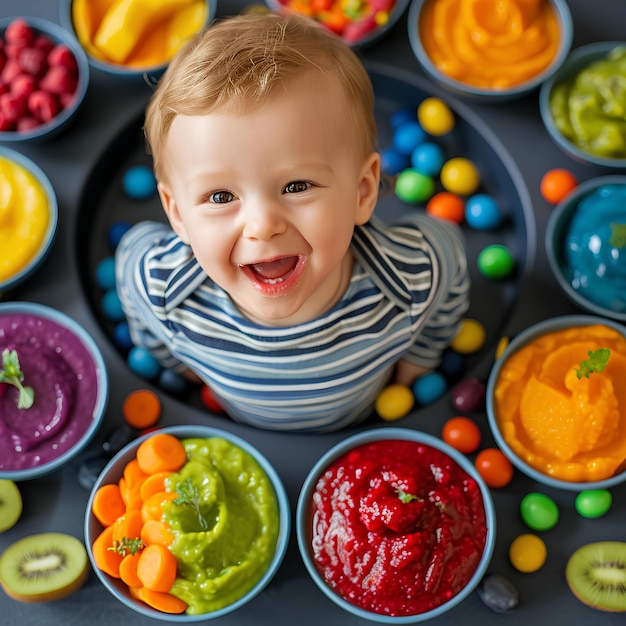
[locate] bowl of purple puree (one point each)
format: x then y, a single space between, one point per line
53 389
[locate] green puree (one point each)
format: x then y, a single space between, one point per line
236 503
589 109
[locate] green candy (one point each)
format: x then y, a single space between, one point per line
593 503
539 511
496 262
414 187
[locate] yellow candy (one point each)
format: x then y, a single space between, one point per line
394 402
528 553
459 175
470 337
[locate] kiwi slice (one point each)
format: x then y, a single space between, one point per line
10 504
596 574
43 567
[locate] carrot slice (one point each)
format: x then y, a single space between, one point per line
142 409
157 568
128 570
153 484
107 504
127 526
161 452
106 559
134 475
152 508
165 602
155 531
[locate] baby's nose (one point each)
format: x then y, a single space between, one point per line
264 220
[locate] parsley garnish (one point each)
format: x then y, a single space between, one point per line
13 375
188 495
595 363
127 546
405 497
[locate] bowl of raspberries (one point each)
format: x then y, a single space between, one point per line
44 76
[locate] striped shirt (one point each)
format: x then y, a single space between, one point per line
408 291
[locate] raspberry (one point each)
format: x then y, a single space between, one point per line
5 124
62 55
43 105
19 32
58 80
27 123
10 71
43 43
23 85
33 61
12 107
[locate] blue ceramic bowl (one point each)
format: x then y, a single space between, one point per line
533 332
564 17
30 267
579 59
89 351
556 233
149 73
303 520
63 119
113 472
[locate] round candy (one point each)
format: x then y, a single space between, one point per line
446 206
401 116
408 136
469 395
495 261
414 187
429 387
452 363
139 182
556 184
462 434
105 273
121 336
482 212
528 553
142 363
594 503
394 402
111 305
494 468
539 511
172 381
209 400
459 175
435 116
116 232
392 162
428 158
470 337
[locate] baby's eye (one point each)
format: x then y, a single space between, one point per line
221 197
297 186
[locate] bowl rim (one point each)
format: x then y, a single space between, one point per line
382 434
53 209
566 24
149 73
563 211
62 36
188 431
99 409
537 330
578 59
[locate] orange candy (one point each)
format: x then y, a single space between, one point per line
447 206
556 184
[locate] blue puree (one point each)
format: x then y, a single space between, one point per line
595 248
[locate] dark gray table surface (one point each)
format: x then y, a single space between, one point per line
57 502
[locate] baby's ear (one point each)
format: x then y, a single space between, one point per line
369 183
171 211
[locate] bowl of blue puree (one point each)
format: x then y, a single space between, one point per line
586 246
227 517
53 390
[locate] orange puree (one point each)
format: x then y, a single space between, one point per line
569 428
493 44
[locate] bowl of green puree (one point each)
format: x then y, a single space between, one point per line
583 106
228 544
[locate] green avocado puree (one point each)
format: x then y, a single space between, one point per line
236 505
589 109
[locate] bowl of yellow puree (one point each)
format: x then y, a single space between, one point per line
487 49
556 402
28 218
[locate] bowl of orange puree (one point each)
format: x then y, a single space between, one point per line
486 49
556 402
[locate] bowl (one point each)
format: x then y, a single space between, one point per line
84 17
585 249
385 485
22 252
489 89
555 441
65 369
363 31
114 470
575 146
58 82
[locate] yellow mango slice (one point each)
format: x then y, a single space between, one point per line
184 25
86 18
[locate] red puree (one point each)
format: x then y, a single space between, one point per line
398 527
62 373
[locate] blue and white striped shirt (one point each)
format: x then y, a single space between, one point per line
408 292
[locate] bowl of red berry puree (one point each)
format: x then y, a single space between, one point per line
395 526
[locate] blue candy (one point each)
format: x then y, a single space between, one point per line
105 273
392 162
429 388
408 136
482 212
428 158
111 305
116 232
121 336
139 182
142 363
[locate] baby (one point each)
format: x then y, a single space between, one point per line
274 283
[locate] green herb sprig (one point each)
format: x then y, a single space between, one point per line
595 363
13 375
127 546
188 496
406 497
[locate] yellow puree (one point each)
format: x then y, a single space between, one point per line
492 44
568 428
24 218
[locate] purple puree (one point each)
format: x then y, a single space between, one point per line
62 373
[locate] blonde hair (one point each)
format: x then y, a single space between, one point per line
239 62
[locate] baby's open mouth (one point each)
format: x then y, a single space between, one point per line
274 271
